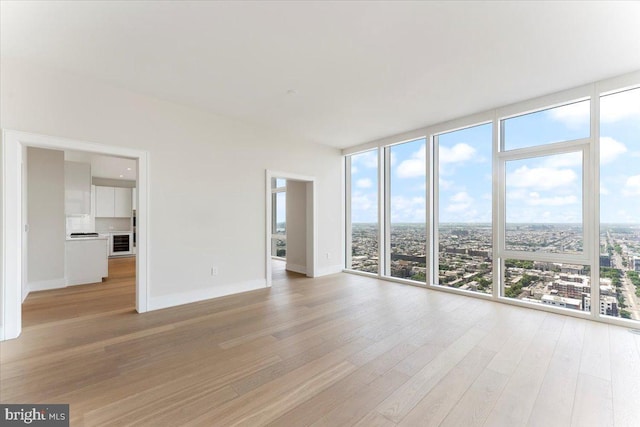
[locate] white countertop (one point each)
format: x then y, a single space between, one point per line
101 237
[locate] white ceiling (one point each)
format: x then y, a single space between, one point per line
105 166
362 70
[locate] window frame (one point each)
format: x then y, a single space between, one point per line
274 216
348 237
588 146
434 166
385 269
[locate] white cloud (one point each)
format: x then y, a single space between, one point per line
613 108
354 170
408 209
620 106
573 115
632 186
364 183
460 152
362 202
604 191
610 149
564 160
542 178
445 184
414 167
368 159
459 202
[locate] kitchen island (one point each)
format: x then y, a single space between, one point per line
86 259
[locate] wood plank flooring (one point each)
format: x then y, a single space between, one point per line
339 350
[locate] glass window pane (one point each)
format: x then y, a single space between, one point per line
548 283
620 205
364 212
544 204
279 236
465 251
564 123
408 206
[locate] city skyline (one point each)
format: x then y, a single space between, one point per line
465 261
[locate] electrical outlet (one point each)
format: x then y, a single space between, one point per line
214 271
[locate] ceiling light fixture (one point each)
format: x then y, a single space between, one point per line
128 169
292 92
121 176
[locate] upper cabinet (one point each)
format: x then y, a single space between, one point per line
113 202
122 199
77 188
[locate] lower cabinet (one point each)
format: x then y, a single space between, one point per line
86 260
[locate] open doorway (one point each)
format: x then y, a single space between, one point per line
291 236
79 212
279 229
16 228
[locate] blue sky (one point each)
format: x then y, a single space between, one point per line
544 189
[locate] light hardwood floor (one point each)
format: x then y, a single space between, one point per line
338 350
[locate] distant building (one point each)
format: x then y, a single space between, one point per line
575 278
572 269
608 305
478 253
562 302
571 289
636 263
605 260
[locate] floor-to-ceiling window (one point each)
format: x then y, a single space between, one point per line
362 206
543 160
464 251
619 250
406 255
505 204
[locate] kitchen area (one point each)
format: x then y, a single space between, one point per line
79 216
100 210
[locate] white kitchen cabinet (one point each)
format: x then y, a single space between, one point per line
105 202
113 202
77 188
86 260
122 197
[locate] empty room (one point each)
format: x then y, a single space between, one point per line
318 213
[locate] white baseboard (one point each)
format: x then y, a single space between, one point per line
215 291
45 285
332 269
296 268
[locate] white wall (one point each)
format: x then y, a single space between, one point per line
297 226
206 176
46 218
1 230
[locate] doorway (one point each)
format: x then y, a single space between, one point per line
290 224
15 145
